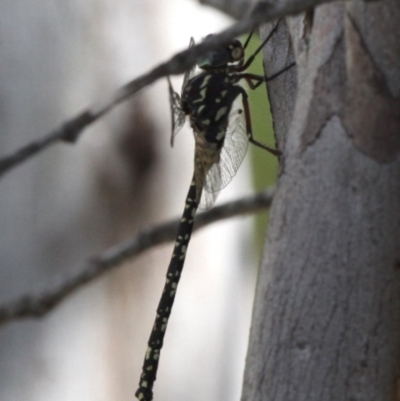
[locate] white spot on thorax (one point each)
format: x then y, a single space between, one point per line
221 112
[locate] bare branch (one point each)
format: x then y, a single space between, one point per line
71 129
37 305
234 8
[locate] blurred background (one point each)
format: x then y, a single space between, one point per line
73 202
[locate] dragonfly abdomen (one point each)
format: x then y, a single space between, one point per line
155 343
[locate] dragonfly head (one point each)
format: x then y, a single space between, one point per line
222 56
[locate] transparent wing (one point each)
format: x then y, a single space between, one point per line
178 116
207 200
232 154
231 157
212 186
235 148
189 73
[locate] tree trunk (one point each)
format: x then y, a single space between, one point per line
326 320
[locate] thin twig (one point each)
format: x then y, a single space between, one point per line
38 305
70 130
234 8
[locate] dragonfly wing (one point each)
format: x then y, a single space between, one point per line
232 153
234 149
231 157
178 116
212 185
207 200
189 73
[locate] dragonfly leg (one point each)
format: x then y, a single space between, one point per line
254 80
273 76
253 56
247 117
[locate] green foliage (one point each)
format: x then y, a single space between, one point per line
264 165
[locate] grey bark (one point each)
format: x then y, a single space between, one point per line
326 320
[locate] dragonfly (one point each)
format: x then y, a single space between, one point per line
221 139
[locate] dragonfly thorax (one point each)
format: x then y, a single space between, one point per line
208 98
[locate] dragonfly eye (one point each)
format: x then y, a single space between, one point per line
236 51
222 56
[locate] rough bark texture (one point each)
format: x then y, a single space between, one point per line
326 321
278 53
